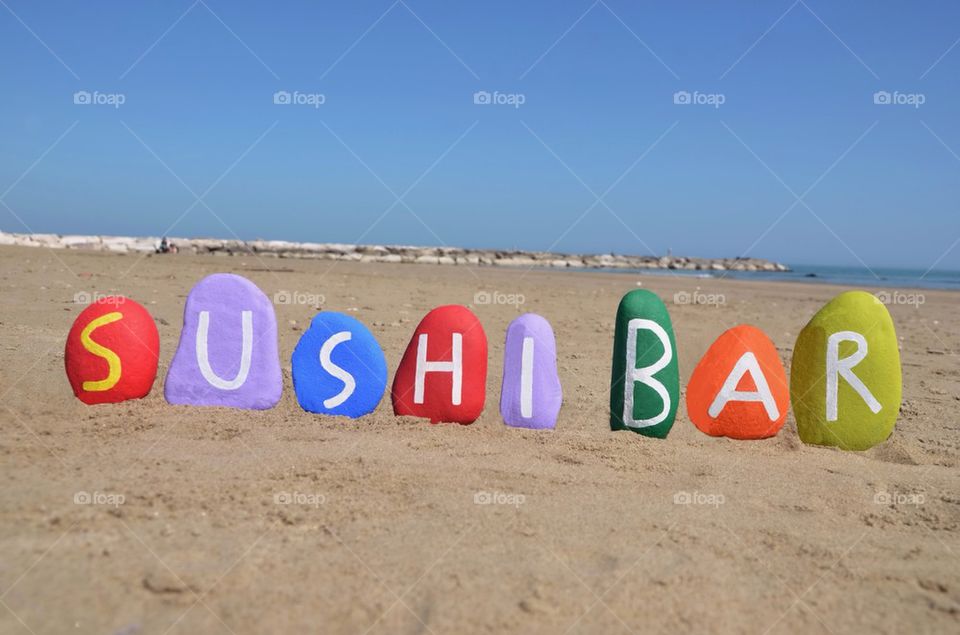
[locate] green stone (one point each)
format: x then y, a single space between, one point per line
645 370
845 378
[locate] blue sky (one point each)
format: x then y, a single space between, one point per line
798 163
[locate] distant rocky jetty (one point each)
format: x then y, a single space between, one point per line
389 253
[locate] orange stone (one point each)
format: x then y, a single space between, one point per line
739 389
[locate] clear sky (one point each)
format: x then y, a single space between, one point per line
782 152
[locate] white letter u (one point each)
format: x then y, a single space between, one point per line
203 358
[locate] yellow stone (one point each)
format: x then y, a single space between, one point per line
845 378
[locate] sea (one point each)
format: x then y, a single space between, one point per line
893 278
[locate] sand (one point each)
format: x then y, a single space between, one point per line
385 533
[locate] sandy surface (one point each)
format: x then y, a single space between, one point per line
586 538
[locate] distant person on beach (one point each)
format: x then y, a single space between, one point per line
166 247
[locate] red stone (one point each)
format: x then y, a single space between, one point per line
112 351
435 400
749 409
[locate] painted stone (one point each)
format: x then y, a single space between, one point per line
845 377
645 383
739 388
227 355
112 351
443 373
338 367
530 395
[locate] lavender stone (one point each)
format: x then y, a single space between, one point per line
531 395
227 355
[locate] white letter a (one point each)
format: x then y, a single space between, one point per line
746 364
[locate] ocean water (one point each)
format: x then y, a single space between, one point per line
849 276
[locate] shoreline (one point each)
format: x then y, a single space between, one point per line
697 287
883 284
390 253
706 269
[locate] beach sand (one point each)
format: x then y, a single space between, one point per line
385 534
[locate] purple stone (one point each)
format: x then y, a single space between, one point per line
227 354
531 395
